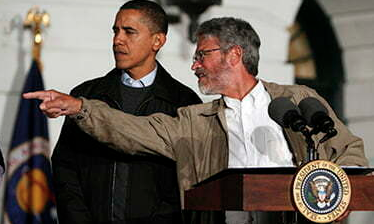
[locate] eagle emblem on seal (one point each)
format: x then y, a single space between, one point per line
321 187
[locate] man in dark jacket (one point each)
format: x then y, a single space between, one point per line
97 185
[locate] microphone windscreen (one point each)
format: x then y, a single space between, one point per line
311 106
279 107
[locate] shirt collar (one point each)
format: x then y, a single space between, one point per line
254 97
147 80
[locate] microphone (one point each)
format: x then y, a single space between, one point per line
317 117
286 114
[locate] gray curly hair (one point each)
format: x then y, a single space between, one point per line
234 32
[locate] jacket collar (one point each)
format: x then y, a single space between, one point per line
276 90
163 85
108 86
217 106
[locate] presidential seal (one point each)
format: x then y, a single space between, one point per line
321 191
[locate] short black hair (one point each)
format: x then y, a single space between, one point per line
155 14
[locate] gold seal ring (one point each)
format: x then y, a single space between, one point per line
321 191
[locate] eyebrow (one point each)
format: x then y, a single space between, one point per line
124 28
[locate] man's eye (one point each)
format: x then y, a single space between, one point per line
130 32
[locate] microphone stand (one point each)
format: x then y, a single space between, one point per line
312 155
311 150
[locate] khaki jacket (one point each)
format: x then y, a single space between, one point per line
197 138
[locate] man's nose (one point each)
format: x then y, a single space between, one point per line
119 38
195 65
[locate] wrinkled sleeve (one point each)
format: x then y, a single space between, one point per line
128 133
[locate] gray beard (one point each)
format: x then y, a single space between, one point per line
218 88
204 90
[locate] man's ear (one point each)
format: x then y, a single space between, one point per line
159 40
235 55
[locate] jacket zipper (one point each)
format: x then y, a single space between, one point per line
107 99
113 188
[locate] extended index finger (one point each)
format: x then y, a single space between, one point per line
40 95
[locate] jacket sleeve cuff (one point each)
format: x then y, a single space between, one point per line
84 112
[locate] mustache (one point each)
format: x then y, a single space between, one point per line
117 49
199 72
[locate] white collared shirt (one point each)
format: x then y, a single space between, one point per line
145 81
255 140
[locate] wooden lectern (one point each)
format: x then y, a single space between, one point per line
268 189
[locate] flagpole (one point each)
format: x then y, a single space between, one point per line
29 194
36 20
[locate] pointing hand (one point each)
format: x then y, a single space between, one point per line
55 103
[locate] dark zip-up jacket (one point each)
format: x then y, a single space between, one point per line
84 170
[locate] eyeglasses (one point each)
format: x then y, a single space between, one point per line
199 55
